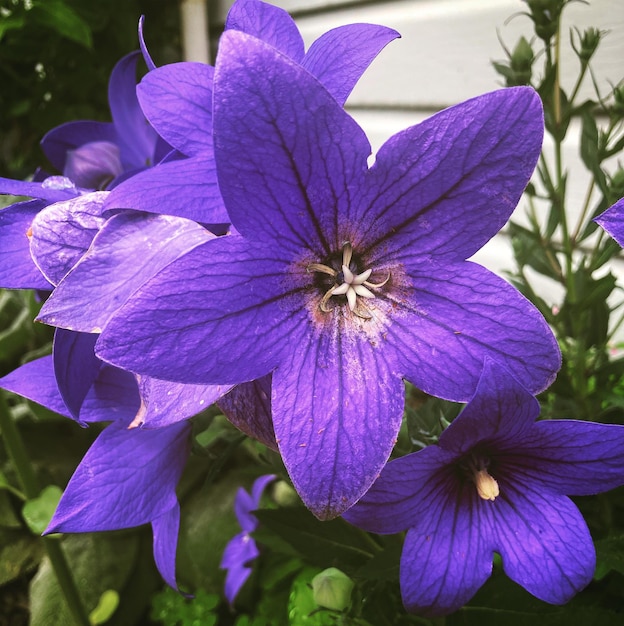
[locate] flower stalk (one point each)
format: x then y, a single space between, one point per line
26 475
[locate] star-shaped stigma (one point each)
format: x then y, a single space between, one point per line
347 282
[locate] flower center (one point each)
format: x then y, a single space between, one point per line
486 484
347 280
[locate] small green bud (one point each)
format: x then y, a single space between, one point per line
545 15
589 43
521 64
618 100
332 589
284 495
617 183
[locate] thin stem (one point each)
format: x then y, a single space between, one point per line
30 485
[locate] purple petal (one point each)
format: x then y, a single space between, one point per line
93 165
17 268
245 503
136 139
129 249
239 551
290 186
267 22
127 478
146 55
177 100
36 381
543 541
60 140
186 188
443 188
165 403
234 323
114 396
166 528
337 409
501 411
75 366
62 233
612 220
456 316
52 189
339 57
248 407
396 498
571 457
447 555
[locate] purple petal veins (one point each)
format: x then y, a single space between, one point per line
444 496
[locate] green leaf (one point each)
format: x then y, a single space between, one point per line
58 16
38 512
107 605
609 556
330 543
385 564
98 562
20 553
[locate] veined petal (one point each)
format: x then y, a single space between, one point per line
224 310
62 233
165 529
543 541
447 555
248 407
339 57
114 396
75 366
186 188
71 135
17 268
443 188
165 403
394 502
136 138
50 191
267 22
455 317
177 101
127 478
128 250
612 220
337 409
288 166
36 381
571 457
501 411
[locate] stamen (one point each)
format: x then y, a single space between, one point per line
487 487
347 282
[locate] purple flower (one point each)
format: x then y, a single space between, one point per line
177 100
497 481
343 279
129 475
242 549
94 154
612 220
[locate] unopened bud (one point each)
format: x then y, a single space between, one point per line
589 43
618 100
332 589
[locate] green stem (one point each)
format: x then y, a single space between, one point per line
30 485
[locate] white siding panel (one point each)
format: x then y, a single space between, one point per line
447 45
